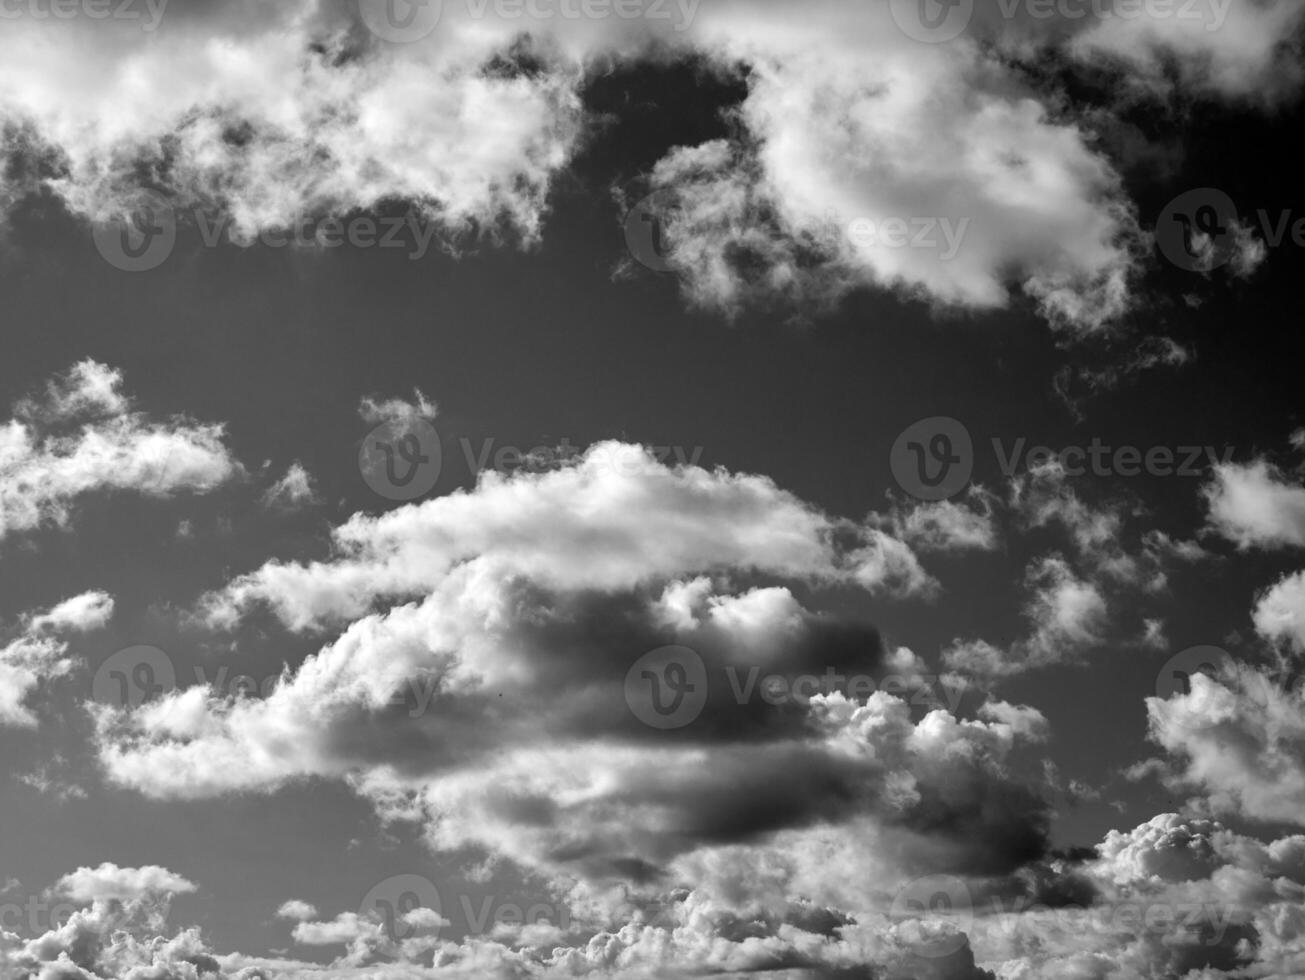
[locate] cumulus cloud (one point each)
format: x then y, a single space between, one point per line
1256 505
849 137
110 882
492 681
1280 611
1067 616
1174 896
1238 740
39 654
80 437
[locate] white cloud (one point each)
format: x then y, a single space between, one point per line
397 410
1280 611
590 524
80 439
947 525
1230 49
294 489
266 112
1067 616
38 654
110 882
1254 505
1240 741
297 910
88 611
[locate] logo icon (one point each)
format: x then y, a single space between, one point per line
933 914
1175 677
140 241
1196 230
667 688
933 21
645 230
401 21
133 677
933 459
401 459
394 898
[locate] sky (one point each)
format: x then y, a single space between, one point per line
647 489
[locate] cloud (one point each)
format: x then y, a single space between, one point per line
1173 896
948 526
1239 740
486 681
923 171
38 654
294 489
1254 505
397 410
1280 611
1240 51
297 910
1067 616
88 611
110 882
847 125
80 438
612 519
